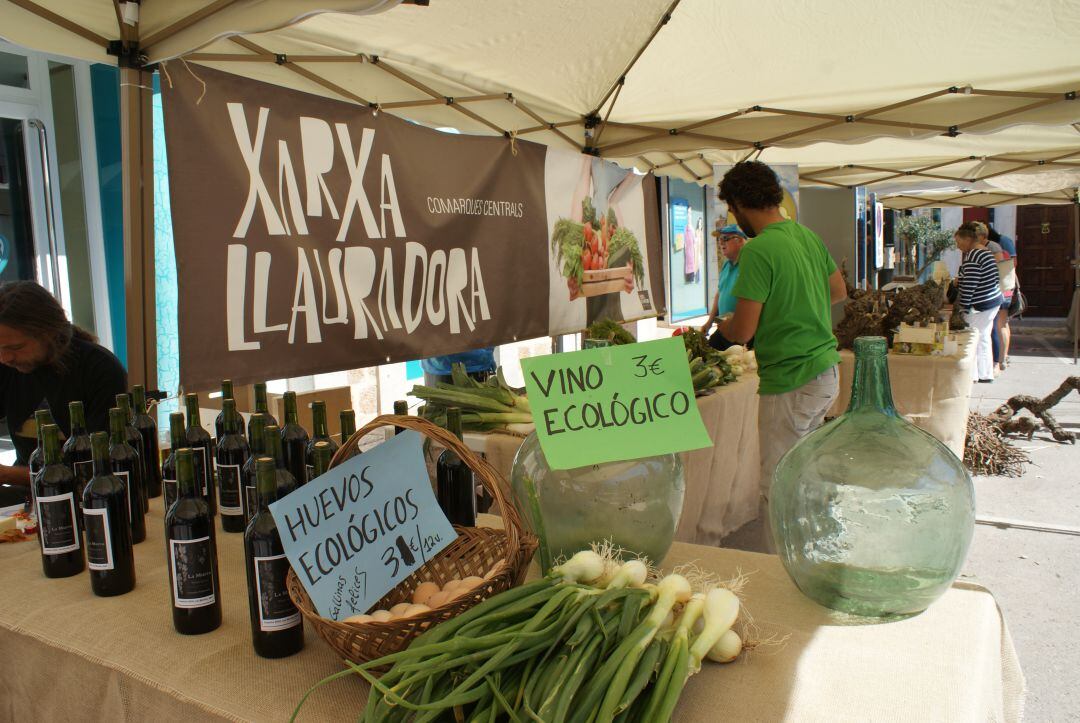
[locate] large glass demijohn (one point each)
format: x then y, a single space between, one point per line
635 504
870 514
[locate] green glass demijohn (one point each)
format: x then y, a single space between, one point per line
635 504
870 514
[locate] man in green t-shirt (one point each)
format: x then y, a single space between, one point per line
786 288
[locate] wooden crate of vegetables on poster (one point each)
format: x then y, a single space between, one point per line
598 233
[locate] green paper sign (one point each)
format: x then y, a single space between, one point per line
614 403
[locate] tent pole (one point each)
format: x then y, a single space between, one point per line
137 160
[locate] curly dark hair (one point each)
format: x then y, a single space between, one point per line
751 184
28 307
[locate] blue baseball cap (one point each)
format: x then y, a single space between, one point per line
732 229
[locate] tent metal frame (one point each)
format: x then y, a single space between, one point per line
137 148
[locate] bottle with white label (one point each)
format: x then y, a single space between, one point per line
168 467
109 552
57 511
319 433
232 452
128 467
191 547
78 454
277 630
135 441
257 448
202 445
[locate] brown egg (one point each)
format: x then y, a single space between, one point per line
399 609
357 619
439 599
423 592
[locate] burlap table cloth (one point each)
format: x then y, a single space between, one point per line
721 480
932 392
72 656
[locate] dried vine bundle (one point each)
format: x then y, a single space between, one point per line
988 452
1041 409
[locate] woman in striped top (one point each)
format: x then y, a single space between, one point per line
979 297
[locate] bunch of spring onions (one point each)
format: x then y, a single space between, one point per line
484 405
591 642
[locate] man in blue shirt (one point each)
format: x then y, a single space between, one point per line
731 240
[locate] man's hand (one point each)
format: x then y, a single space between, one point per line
837 287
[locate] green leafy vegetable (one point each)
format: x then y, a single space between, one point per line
610 331
622 240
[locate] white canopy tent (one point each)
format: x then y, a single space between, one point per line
856 92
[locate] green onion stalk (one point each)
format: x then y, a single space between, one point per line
592 642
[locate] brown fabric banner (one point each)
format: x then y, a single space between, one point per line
313 235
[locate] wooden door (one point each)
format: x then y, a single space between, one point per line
1045 240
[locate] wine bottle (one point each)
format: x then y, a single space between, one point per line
145 425
219 423
277 629
202 446
192 551
294 441
321 456
78 454
133 438
232 452
37 457
455 487
57 512
256 448
272 445
168 467
319 433
261 406
348 424
109 551
127 466
401 409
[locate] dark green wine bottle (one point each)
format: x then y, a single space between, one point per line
256 448
261 405
319 433
219 423
57 511
286 483
348 424
127 466
455 486
277 629
401 409
150 452
78 454
232 452
191 546
168 467
109 551
294 441
202 445
134 439
37 457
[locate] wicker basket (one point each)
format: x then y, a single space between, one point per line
476 551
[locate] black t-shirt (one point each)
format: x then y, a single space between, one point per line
89 373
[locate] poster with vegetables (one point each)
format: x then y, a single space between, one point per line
598 266
313 235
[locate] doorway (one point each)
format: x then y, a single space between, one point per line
1046 241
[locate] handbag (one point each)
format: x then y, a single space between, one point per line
1018 304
